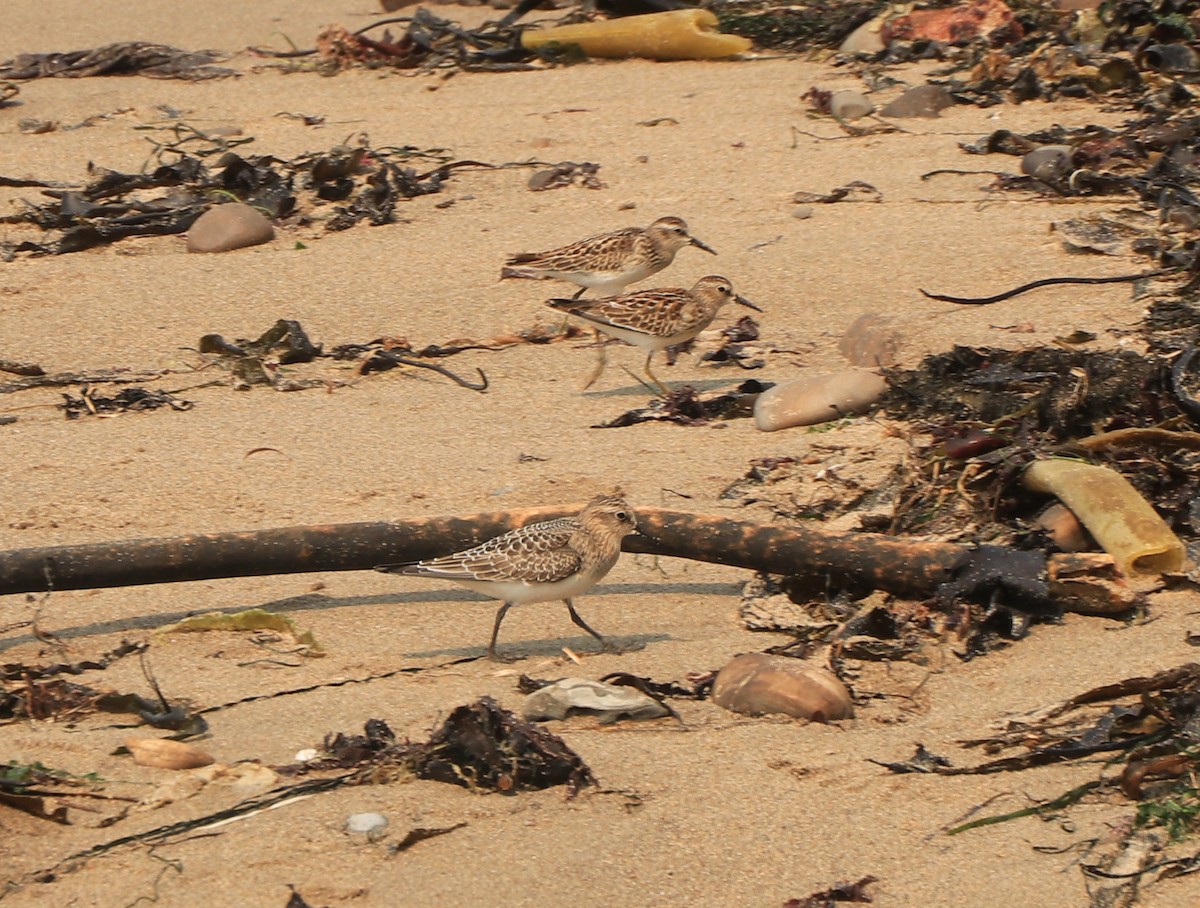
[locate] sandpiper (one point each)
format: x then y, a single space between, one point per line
554 559
608 262
654 319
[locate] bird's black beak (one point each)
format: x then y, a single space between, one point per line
737 298
700 244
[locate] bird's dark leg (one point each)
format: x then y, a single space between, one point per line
604 644
500 612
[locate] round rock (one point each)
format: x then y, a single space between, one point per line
229 226
759 683
1048 162
850 105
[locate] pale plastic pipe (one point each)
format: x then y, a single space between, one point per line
681 34
1116 515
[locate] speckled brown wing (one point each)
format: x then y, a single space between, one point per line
659 313
537 553
605 251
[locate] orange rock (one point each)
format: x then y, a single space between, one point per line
991 19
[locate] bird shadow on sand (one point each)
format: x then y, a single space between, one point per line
316 602
639 390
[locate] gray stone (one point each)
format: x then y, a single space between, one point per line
922 101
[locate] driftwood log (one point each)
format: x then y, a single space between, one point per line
863 561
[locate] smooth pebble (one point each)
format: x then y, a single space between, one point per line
850 105
230 226
817 399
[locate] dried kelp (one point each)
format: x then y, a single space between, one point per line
355 183
35 789
257 362
988 412
17 671
428 42
479 746
1149 726
124 58
788 26
838 893
127 400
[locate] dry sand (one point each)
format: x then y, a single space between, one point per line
713 810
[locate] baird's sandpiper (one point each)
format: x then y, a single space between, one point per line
554 559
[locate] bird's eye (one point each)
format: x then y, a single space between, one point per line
622 516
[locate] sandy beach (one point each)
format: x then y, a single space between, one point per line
711 809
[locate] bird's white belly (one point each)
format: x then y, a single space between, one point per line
519 592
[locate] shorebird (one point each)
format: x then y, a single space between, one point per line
654 319
608 262
554 559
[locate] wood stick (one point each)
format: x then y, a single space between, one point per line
860 560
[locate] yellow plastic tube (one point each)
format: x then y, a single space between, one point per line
681 34
1116 515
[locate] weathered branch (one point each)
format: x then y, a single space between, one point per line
861 560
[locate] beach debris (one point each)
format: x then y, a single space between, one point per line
231 226
991 20
162 753
816 399
1144 730
855 191
839 892
858 560
428 42
759 683
14 671
127 400
337 189
1033 403
40 791
566 173
32 692
123 58
480 746
253 619
609 702
781 25
1042 282
682 34
1113 511
258 362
